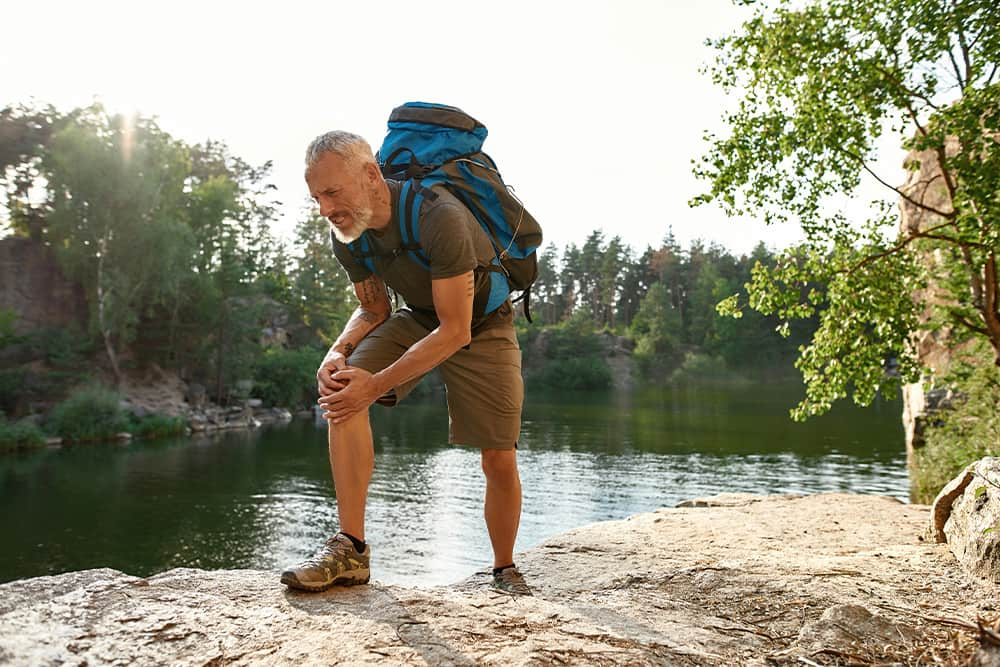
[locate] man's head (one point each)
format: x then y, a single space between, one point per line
345 181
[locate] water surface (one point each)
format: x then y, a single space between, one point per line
264 499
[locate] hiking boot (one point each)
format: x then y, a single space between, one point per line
510 580
338 563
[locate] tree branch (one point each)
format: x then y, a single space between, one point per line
942 157
905 242
990 306
947 215
916 121
958 71
990 312
989 79
958 318
963 44
899 84
976 282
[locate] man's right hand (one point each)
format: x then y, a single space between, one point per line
334 361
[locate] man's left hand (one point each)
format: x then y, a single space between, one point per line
361 391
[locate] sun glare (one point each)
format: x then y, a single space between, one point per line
128 134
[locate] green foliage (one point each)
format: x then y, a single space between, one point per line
167 240
323 298
23 434
62 348
573 357
90 413
287 378
656 329
704 368
11 389
574 373
963 432
7 335
157 426
820 84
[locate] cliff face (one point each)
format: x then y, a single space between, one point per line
34 287
934 346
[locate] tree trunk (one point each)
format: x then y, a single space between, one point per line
991 307
102 316
220 355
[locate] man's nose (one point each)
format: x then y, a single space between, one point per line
325 206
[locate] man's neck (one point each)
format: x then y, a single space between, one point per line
381 207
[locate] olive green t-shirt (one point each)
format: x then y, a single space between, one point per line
450 238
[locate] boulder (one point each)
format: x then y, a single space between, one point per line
967 513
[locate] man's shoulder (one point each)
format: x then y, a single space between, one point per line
442 198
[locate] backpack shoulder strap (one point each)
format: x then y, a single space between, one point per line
411 197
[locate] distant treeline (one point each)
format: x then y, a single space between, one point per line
664 300
172 245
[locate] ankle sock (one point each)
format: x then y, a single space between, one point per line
498 570
358 544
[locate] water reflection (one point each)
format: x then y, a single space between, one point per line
265 499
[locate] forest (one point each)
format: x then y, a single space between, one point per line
173 248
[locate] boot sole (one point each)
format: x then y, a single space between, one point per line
292 582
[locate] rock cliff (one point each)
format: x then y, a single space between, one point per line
727 580
33 286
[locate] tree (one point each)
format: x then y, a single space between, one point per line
322 291
820 84
115 186
24 136
545 292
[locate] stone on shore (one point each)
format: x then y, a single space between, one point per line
966 515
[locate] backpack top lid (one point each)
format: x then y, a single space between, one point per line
428 134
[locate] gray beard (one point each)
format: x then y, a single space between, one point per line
362 220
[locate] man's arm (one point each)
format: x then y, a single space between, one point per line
373 309
453 299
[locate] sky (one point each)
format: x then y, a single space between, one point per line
595 110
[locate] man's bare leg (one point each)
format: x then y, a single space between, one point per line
340 561
352 459
503 502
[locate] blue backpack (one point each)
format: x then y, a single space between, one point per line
431 145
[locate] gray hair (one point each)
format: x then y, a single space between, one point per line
346 145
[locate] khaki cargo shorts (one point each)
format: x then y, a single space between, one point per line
483 382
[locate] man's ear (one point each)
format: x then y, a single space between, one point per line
372 172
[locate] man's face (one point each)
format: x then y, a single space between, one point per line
343 191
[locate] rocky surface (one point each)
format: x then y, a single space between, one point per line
156 391
966 515
727 580
33 286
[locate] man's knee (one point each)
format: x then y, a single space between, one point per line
499 463
357 428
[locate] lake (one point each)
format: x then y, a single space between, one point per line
264 499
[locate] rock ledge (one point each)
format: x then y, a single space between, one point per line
730 580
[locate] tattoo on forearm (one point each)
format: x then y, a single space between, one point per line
369 290
470 286
368 316
348 349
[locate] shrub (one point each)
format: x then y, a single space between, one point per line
698 367
91 413
578 373
961 433
23 434
287 377
157 426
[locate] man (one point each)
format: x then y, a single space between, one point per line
381 354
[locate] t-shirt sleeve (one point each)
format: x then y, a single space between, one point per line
356 271
446 238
